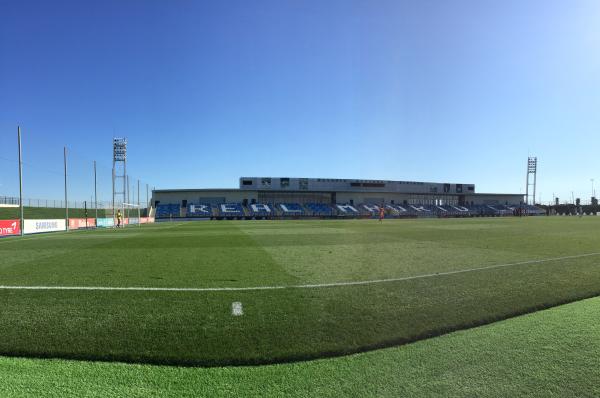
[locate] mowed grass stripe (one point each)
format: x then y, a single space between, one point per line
312 265
367 249
159 256
307 286
194 328
197 328
548 353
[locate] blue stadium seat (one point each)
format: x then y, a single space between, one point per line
485 210
320 209
366 209
167 210
421 210
231 209
398 210
346 209
261 209
532 210
200 210
291 209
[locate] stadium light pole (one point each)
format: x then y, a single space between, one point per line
531 169
113 180
21 221
119 174
127 195
66 197
147 203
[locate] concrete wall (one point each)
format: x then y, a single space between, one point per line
494 199
374 198
203 196
238 196
352 185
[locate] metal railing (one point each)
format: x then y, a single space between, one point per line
53 203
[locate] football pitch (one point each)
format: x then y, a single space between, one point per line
256 292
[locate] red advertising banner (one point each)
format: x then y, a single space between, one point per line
146 220
76 223
10 227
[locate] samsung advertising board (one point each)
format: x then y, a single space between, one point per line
38 226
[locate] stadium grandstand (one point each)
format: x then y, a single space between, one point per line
280 197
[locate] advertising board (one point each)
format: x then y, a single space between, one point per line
37 226
10 227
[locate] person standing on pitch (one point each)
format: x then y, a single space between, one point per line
119 218
381 213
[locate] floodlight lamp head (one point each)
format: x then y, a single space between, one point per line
531 165
119 149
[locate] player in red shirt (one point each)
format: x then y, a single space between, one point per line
381 213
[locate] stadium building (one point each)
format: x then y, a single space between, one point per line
263 197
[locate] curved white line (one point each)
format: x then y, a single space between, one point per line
306 286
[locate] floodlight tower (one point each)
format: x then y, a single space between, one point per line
531 171
119 172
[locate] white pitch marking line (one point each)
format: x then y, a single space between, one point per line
237 309
307 286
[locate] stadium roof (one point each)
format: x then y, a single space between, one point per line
197 190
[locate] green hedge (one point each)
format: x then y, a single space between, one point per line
9 213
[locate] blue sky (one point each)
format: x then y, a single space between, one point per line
449 91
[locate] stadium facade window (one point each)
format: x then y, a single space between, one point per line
294 197
373 201
368 184
212 200
265 183
373 185
247 182
284 183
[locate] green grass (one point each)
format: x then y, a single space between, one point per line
284 324
12 213
551 353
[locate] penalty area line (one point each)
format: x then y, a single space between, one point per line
304 286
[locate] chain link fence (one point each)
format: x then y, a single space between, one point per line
63 189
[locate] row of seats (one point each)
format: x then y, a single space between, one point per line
167 211
205 210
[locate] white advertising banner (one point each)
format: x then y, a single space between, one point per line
37 226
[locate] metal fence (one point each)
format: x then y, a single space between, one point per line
39 173
52 203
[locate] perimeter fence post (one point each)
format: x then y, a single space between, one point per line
21 220
66 197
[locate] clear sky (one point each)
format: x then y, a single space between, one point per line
447 91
